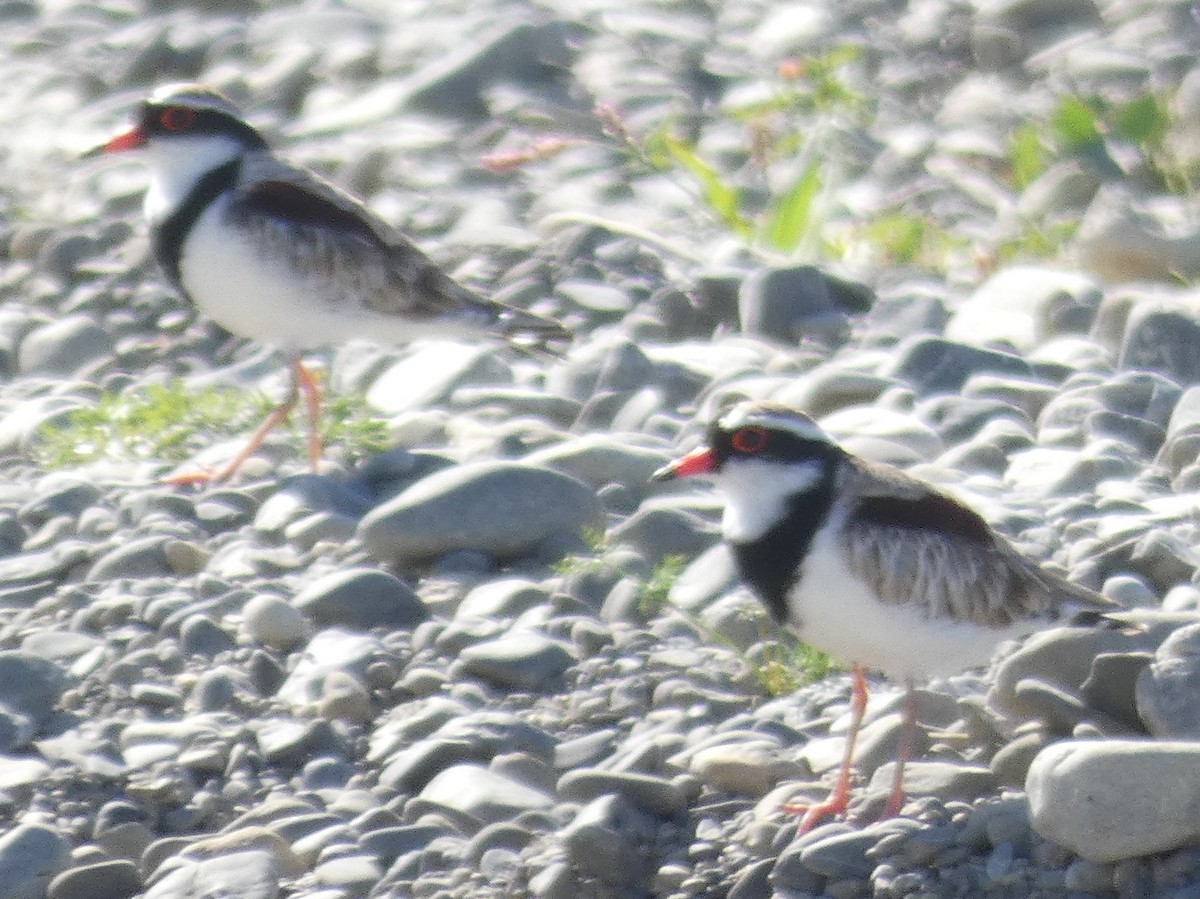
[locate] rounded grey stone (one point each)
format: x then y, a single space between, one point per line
274 622
31 855
787 303
753 881
360 599
1109 800
609 839
517 660
248 874
140 558
840 856
506 509
595 296
943 779
1162 340
937 365
410 769
30 685
503 598
598 460
483 794
115 879
661 531
1168 688
63 347
429 373
1022 305
652 793
199 635
1111 684
1011 762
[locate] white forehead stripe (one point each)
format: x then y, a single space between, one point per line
796 423
194 95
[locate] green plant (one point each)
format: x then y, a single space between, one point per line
1110 137
1036 241
596 539
1028 155
896 237
350 423
159 421
796 664
788 664
771 194
170 423
656 592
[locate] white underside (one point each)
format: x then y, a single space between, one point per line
840 615
254 296
239 286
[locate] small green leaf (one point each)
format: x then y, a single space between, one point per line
900 236
1075 123
791 218
1143 121
1027 155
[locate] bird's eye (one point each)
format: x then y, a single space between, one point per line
749 440
177 118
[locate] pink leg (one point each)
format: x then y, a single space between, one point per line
276 417
896 797
302 381
312 403
839 798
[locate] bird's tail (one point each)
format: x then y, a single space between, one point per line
532 332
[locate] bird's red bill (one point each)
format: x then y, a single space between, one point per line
698 461
126 140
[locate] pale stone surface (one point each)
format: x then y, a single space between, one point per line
1109 800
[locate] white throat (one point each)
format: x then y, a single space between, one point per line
756 494
177 164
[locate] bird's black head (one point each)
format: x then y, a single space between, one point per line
756 432
181 111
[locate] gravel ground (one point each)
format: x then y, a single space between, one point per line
423 673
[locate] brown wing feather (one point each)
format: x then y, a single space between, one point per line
329 231
913 544
365 260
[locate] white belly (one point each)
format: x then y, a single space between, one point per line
840 615
253 295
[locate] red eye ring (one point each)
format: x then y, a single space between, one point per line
177 118
748 440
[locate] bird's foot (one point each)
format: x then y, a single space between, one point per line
834 806
192 477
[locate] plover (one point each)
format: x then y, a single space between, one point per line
272 252
870 564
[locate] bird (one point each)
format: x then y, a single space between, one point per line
274 252
870 564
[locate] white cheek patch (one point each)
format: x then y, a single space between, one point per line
756 494
177 165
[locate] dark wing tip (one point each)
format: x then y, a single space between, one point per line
519 323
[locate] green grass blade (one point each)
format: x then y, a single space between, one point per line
719 196
791 218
